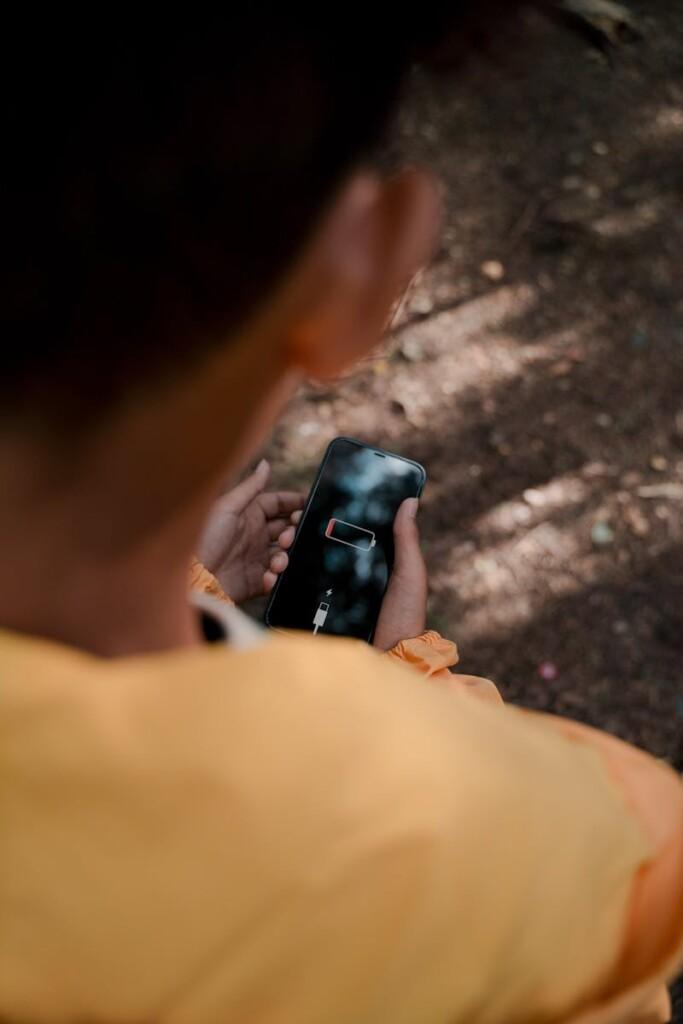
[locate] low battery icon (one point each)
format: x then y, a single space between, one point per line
352 536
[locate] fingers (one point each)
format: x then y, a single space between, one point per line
279 562
286 537
240 496
275 528
276 504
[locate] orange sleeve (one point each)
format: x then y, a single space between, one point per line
205 582
434 657
430 654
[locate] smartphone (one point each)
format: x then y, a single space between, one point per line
343 552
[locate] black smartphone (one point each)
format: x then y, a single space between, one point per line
343 552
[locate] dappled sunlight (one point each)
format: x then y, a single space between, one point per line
497 586
536 369
639 217
668 121
470 318
535 505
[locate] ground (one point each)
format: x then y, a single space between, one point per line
536 371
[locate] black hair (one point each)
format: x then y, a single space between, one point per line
158 181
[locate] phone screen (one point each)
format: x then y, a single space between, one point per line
343 553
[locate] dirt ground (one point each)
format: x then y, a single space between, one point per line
536 371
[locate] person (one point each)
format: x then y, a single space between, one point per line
259 828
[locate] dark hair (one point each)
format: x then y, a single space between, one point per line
157 182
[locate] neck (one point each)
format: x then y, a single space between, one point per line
109 599
97 536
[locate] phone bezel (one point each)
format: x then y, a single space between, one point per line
312 494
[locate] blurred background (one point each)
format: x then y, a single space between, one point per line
536 368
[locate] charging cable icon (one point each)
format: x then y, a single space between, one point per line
320 616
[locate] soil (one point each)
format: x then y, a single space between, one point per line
536 370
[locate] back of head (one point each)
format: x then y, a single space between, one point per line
158 181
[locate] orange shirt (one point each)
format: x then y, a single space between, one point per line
296 830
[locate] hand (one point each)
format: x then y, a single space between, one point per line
404 608
240 542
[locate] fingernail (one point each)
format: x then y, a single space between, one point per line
413 506
263 464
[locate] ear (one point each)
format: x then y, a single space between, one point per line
378 234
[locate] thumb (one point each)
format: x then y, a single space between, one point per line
408 559
244 493
404 607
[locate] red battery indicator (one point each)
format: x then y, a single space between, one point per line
352 536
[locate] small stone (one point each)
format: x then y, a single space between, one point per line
636 521
412 351
594 470
493 269
593 192
604 420
309 428
475 471
534 497
659 464
548 671
602 534
421 304
561 369
521 513
620 628
600 148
